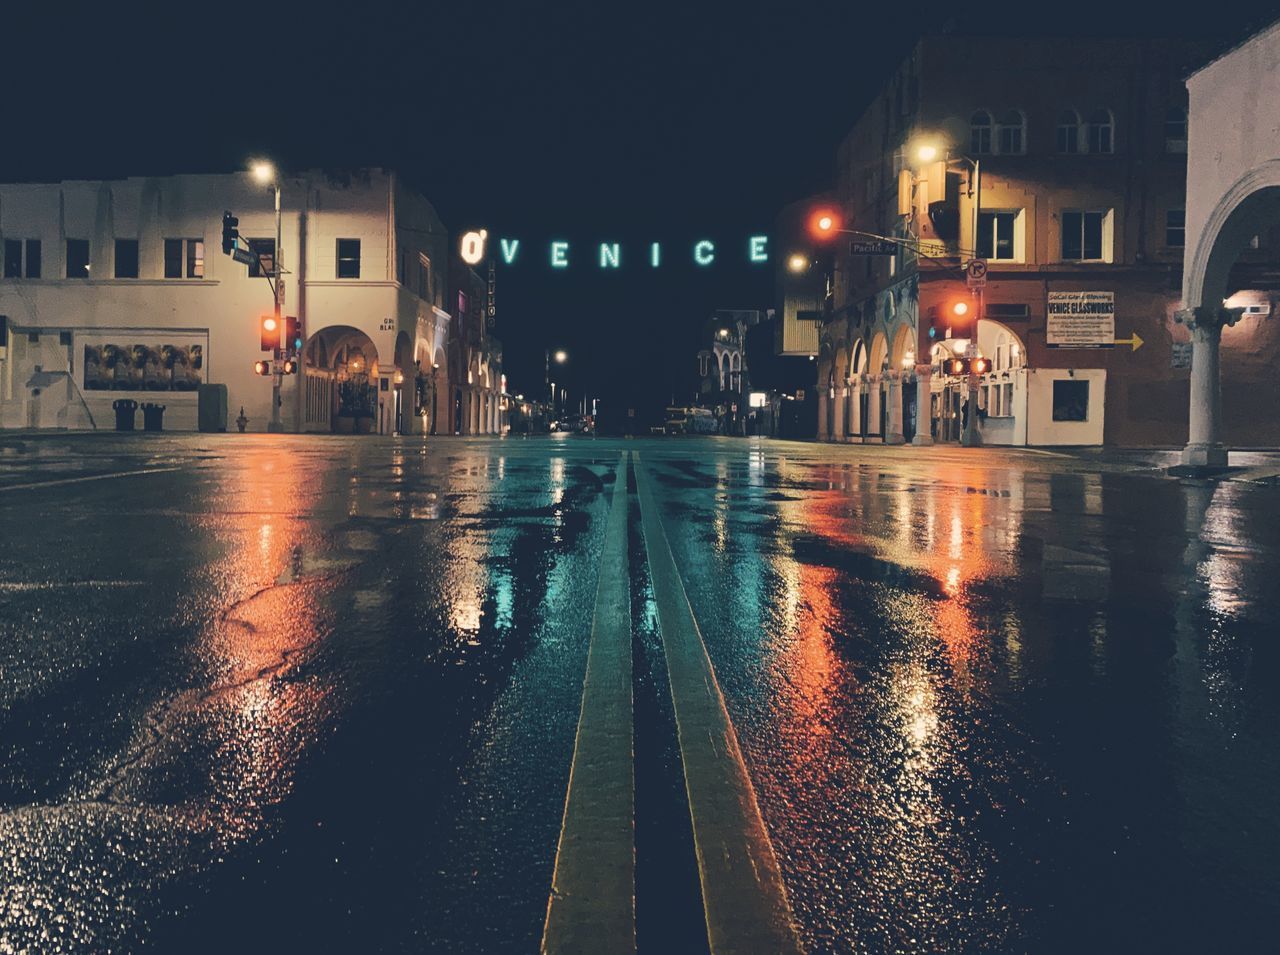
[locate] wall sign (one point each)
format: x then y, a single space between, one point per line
1081 320
607 256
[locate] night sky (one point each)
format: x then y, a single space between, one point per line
581 121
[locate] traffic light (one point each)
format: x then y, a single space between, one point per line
292 335
269 332
262 368
966 366
824 222
979 366
957 366
289 367
230 232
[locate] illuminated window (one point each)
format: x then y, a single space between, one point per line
980 133
1086 236
1101 131
1175 228
1069 132
348 258
1000 236
1175 130
195 258
1011 134
126 258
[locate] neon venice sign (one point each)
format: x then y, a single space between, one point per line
605 255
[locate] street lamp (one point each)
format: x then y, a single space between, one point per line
265 173
561 356
798 263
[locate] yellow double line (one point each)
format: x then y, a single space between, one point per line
592 904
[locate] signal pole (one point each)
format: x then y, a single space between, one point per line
277 377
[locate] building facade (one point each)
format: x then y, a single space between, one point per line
1061 166
119 289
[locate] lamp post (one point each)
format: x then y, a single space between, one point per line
561 356
435 373
265 173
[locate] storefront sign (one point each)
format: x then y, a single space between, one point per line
605 255
1081 320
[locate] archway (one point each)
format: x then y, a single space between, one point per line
1218 288
402 384
856 415
440 392
839 428
341 376
876 368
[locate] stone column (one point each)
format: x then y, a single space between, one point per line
1204 434
924 411
822 412
893 423
842 399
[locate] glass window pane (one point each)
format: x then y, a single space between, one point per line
33 258
77 258
1071 235
173 258
195 259
12 258
348 258
126 258
1092 235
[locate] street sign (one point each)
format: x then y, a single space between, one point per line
1135 341
244 256
975 273
872 247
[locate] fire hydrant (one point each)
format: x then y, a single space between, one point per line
242 420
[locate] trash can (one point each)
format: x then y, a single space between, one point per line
125 409
152 417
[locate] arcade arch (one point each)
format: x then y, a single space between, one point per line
341 381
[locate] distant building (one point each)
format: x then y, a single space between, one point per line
724 381
1061 164
120 288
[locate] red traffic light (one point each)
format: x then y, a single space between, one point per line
979 366
262 367
824 222
269 332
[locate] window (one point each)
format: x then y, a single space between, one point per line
33 258
980 132
1086 236
265 262
1069 132
1101 131
77 258
424 278
1006 399
1175 130
126 258
13 258
173 258
1011 139
998 236
348 258
195 258
1070 400
184 258
1175 228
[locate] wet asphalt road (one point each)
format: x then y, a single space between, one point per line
321 694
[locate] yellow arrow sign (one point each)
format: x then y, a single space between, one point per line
1135 341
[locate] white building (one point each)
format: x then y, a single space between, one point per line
120 289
